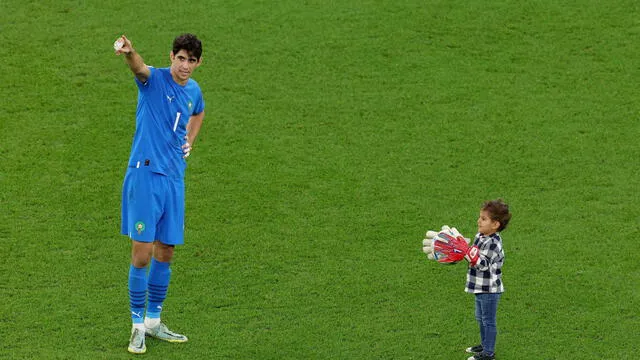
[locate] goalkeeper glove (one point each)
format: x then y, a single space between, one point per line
472 254
439 246
449 246
427 245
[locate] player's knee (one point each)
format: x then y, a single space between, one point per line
140 260
163 252
141 254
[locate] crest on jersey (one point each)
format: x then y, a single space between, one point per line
139 227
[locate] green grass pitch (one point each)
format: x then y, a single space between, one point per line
336 134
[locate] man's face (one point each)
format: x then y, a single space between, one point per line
182 65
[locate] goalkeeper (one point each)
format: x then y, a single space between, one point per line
484 275
168 118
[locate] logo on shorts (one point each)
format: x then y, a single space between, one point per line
139 227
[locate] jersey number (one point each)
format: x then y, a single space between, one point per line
175 125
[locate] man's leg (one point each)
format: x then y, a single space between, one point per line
140 254
140 212
159 276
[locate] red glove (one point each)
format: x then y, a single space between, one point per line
444 246
453 247
472 255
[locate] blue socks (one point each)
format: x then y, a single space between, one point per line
137 293
155 284
159 276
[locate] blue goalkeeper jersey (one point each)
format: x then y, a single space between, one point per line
163 111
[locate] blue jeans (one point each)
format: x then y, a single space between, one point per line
486 308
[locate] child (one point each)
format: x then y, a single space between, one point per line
484 277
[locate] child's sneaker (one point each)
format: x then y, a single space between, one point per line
474 349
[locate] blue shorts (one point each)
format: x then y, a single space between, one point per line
152 207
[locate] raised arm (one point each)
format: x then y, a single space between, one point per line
133 59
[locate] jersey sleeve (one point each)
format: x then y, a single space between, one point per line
145 85
199 105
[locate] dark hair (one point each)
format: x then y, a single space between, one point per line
188 42
498 211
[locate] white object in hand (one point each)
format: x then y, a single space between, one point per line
118 44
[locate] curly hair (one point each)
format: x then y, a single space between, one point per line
498 211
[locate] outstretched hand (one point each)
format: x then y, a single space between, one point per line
122 45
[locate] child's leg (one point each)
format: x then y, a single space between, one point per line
479 318
489 310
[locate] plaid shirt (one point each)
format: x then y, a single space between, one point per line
486 275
